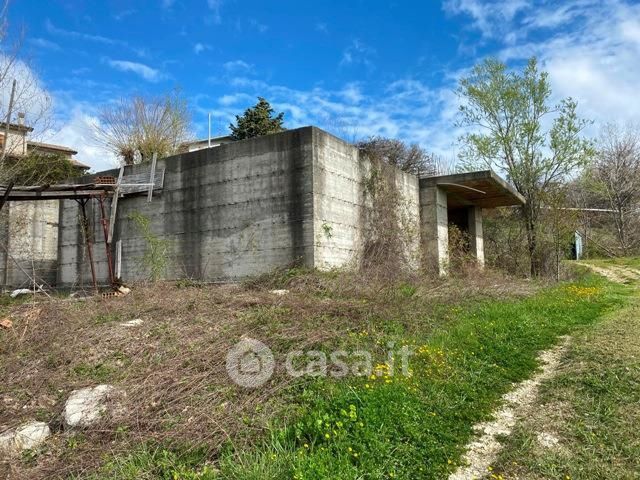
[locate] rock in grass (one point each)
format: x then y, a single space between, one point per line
136 322
27 436
84 407
7 440
31 435
279 292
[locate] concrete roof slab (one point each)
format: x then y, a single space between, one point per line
483 189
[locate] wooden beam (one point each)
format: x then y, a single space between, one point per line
152 177
114 206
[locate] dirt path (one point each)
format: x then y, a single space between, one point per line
585 421
483 452
615 273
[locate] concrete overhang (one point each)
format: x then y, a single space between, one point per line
483 189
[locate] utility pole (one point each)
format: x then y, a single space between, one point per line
8 121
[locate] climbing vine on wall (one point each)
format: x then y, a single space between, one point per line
390 230
156 255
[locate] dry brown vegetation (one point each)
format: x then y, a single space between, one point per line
170 371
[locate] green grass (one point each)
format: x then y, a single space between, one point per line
401 427
633 262
109 317
592 408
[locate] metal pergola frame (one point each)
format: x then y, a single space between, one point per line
82 194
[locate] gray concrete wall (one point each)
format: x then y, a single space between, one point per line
29 234
476 234
340 203
247 207
225 213
435 229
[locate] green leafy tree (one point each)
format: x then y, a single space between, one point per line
38 168
515 130
257 121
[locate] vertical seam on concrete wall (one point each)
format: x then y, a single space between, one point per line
314 199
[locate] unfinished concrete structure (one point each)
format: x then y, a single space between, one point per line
244 208
29 230
459 200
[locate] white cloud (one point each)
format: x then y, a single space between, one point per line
227 100
89 37
357 53
490 17
591 50
30 96
215 6
408 109
52 29
44 43
167 3
80 70
260 27
322 27
237 66
77 132
140 69
198 48
121 15
352 93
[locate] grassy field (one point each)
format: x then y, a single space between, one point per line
182 418
585 425
398 427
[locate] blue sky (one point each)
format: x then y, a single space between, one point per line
356 68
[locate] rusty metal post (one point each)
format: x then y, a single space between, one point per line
107 245
7 192
87 237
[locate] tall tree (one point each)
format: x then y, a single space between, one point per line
257 121
615 178
21 92
135 128
516 130
409 158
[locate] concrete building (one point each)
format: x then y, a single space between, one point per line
244 208
29 230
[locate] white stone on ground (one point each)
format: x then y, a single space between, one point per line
279 292
20 291
84 407
29 435
136 322
548 440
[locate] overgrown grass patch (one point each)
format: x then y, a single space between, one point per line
633 262
392 426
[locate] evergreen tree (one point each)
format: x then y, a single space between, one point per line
257 121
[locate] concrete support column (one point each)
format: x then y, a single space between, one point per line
476 235
435 228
